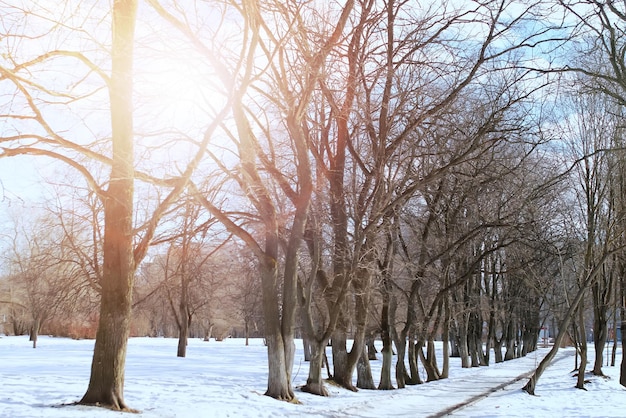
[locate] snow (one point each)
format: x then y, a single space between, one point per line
227 379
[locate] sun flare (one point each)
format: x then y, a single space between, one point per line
178 89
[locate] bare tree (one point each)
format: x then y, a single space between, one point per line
35 128
245 290
599 42
286 55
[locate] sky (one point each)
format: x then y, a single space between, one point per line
227 379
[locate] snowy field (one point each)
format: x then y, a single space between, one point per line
227 379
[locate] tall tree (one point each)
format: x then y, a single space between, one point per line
50 117
599 41
106 383
278 69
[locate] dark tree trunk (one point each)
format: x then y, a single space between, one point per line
622 368
341 373
580 381
600 327
34 332
306 345
106 383
509 339
429 361
344 363
621 305
387 351
183 333
473 344
454 340
614 335
490 339
371 349
400 341
184 318
446 339
463 342
401 373
497 349
364 378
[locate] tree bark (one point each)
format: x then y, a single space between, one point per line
314 383
414 378
401 373
341 373
387 351
278 380
510 341
430 361
385 373
106 383
622 370
463 341
445 370
580 381
34 332
344 363
600 326
364 378
183 333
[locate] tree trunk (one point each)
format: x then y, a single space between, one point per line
208 331
183 333
621 305
34 332
414 378
580 381
600 329
371 349
364 378
385 373
306 345
463 343
387 351
344 363
614 335
106 383
509 339
185 318
489 340
278 380
532 382
472 345
429 361
340 360
401 373
400 341
497 349
314 383
455 341
446 340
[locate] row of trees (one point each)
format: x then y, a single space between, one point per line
392 169
50 284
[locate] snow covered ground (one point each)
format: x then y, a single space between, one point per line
227 379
